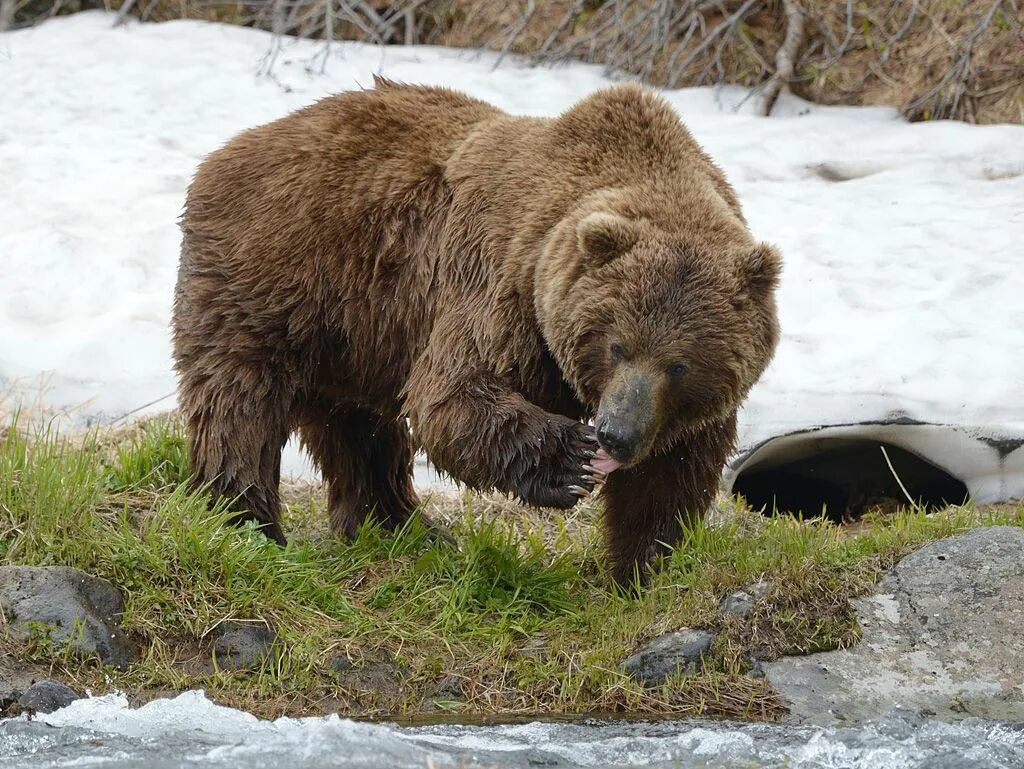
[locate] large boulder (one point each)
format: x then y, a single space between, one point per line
943 634
77 608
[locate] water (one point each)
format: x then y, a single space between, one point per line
191 731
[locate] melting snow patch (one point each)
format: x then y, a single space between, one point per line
900 300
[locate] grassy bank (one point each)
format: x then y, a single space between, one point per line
519 618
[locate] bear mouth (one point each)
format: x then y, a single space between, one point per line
605 462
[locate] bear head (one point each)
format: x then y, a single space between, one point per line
658 330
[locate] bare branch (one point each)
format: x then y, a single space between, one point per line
6 14
517 30
727 25
785 57
944 98
122 13
570 16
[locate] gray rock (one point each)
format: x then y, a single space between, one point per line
743 602
449 688
761 589
942 634
678 652
8 696
756 668
381 679
242 647
59 597
47 696
341 663
738 604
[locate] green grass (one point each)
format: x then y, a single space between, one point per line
154 457
521 614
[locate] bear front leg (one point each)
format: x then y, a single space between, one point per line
490 437
643 505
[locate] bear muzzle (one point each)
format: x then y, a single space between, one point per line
618 438
625 418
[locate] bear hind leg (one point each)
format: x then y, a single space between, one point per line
235 453
366 461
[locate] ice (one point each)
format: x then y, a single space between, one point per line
901 294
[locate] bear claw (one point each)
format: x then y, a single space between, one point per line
594 477
579 491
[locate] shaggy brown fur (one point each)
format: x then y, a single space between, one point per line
412 253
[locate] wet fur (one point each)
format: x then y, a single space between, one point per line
405 252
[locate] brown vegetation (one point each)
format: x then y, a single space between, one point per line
931 59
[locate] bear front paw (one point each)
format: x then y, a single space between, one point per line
565 476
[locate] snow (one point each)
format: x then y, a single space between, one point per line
901 298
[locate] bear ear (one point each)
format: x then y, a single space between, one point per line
760 269
604 236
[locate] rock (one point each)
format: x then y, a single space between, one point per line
448 688
341 663
942 634
59 597
742 602
8 696
377 677
678 652
242 647
16 675
47 696
756 668
738 604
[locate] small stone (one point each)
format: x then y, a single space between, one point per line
241 647
743 602
78 608
681 651
8 696
341 663
449 688
738 604
756 668
377 677
47 696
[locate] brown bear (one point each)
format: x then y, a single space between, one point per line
409 256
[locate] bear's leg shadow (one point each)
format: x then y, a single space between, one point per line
235 449
367 463
644 504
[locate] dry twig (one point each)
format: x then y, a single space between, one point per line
785 57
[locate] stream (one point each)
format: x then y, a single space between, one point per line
191 731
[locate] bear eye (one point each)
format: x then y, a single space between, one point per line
617 352
678 369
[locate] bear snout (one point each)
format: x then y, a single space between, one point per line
618 438
625 418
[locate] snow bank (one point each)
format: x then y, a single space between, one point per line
902 294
